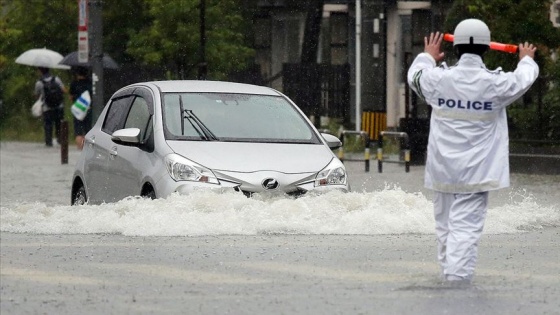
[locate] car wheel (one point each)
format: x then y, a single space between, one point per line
79 197
149 193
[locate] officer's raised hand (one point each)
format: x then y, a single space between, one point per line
432 46
526 50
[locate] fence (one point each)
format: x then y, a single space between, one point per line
405 148
318 89
363 136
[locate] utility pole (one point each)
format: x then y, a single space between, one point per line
358 65
96 45
312 30
202 66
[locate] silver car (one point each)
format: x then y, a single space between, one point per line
158 138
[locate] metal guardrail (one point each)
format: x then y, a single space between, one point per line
406 149
367 143
366 139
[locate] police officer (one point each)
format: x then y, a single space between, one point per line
468 141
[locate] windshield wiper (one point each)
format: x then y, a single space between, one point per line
181 113
208 135
181 107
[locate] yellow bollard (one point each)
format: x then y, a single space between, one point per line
407 160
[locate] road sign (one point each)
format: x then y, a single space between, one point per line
83 44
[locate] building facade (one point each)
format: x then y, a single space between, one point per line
391 34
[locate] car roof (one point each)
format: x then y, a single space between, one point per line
208 86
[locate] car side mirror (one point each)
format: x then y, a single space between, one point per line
128 136
332 141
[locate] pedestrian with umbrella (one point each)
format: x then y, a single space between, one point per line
51 90
48 88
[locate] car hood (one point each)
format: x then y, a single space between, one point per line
253 157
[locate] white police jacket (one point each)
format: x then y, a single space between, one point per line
468 143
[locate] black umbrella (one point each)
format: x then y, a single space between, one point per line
72 60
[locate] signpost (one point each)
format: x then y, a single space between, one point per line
358 65
83 44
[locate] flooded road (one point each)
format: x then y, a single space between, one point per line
371 251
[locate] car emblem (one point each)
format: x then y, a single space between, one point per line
270 184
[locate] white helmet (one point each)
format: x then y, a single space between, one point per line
471 31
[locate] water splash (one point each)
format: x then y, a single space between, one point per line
388 211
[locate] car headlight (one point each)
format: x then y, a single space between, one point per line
179 168
333 174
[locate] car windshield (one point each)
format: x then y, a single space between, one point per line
234 117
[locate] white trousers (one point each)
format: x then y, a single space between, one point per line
459 223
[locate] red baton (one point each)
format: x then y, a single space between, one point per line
512 49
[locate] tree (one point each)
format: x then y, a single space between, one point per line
25 25
164 33
171 39
121 20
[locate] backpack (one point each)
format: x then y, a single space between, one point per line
52 92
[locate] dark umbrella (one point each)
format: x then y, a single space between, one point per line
72 60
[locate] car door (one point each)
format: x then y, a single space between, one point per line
99 142
127 164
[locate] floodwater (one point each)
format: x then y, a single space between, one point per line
370 251
388 211
392 202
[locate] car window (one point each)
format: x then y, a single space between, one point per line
138 116
235 117
114 119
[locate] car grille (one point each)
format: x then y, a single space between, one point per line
295 194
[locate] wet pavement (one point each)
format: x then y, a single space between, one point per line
268 273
